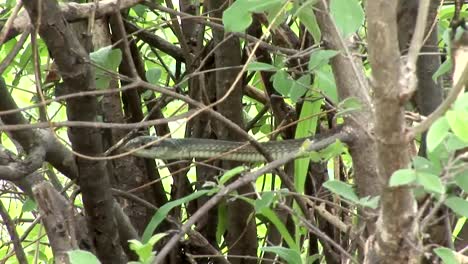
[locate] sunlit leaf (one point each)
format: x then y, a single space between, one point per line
299 88
231 173
276 221
222 224
109 59
29 205
320 57
402 177
458 121
82 257
343 189
371 202
259 6
444 68
422 164
282 82
462 180
348 15
437 133
265 201
349 105
305 129
165 209
289 255
462 102
306 15
447 255
458 205
153 75
260 66
430 182
237 17
325 81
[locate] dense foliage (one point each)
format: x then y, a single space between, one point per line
385 80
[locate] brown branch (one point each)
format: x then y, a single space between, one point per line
57 215
92 124
73 12
56 153
395 238
17 169
155 41
12 54
70 58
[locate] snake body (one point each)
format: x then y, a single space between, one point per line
189 148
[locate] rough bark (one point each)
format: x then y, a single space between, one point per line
93 178
242 236
395 235
351 82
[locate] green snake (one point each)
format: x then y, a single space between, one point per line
189 148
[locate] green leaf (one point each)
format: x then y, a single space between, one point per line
265 201
348 15
343 189
153 75
437 133
282 82
458 121
454 143
422 164
333 150
279 225
325 81
29 205
458 205
161 214
368 201
222 224
145 251
231 173
462 102
314 156
349 105
447 255
109 59
461 179
82 257
289 255
260 66
304 129
320 57
155 238
444 68
306 15
258 6
275 18
402 177
140 10
237 17
299 88
430 182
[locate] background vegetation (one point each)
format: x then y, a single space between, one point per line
79 79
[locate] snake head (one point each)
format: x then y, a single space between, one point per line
154 148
